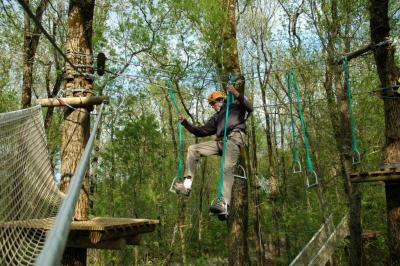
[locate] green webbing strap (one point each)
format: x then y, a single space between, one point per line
221 170
310 169
356 153
180 159
229 99
296 160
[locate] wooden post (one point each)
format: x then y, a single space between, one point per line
77 121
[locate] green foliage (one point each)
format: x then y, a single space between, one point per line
148 42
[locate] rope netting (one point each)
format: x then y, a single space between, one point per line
29 197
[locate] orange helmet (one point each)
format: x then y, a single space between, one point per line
215 95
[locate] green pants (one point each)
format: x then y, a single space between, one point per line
235 141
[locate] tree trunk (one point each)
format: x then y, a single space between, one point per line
272 175
77 121
31 42
238 214
340 120
255 190
57 84
388 75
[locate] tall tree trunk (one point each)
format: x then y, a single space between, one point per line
31 42
340 120
238 214
77 121
256 192
388 75
57 84
272 176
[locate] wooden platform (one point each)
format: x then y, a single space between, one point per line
375 176
97 233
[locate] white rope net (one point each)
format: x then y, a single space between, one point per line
29 197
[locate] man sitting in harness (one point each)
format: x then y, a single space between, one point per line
236 130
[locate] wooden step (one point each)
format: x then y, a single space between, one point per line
376 176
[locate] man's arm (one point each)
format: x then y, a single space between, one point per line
241 98
208 129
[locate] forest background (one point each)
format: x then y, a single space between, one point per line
150 42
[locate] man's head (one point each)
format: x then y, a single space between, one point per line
216 100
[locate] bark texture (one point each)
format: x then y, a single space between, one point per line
76 127
31 42
238 213
388 75
340 120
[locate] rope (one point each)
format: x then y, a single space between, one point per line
296 160
221 170
310 169
180 135
356 153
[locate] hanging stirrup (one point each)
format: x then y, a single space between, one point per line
316 183
240 172
296 167
171 188
356 157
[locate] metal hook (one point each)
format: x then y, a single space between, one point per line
296 167
316 183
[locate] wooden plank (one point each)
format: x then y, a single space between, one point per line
315 243
376 176
326 252
72 101
97 233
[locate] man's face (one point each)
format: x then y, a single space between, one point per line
216 105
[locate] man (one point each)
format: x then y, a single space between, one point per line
215 125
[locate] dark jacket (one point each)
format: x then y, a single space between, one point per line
215 125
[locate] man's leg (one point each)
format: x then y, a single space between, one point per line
232 152
233 145
195 151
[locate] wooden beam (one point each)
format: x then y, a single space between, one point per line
72 101
361 51
376 176
357 53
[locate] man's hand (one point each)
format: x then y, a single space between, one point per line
181 117
233 90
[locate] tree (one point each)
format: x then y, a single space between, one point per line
77 121
31 42
389 74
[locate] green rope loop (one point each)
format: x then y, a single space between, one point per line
356 153
310 168
180 131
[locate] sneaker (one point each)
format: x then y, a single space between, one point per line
219 207
180 189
